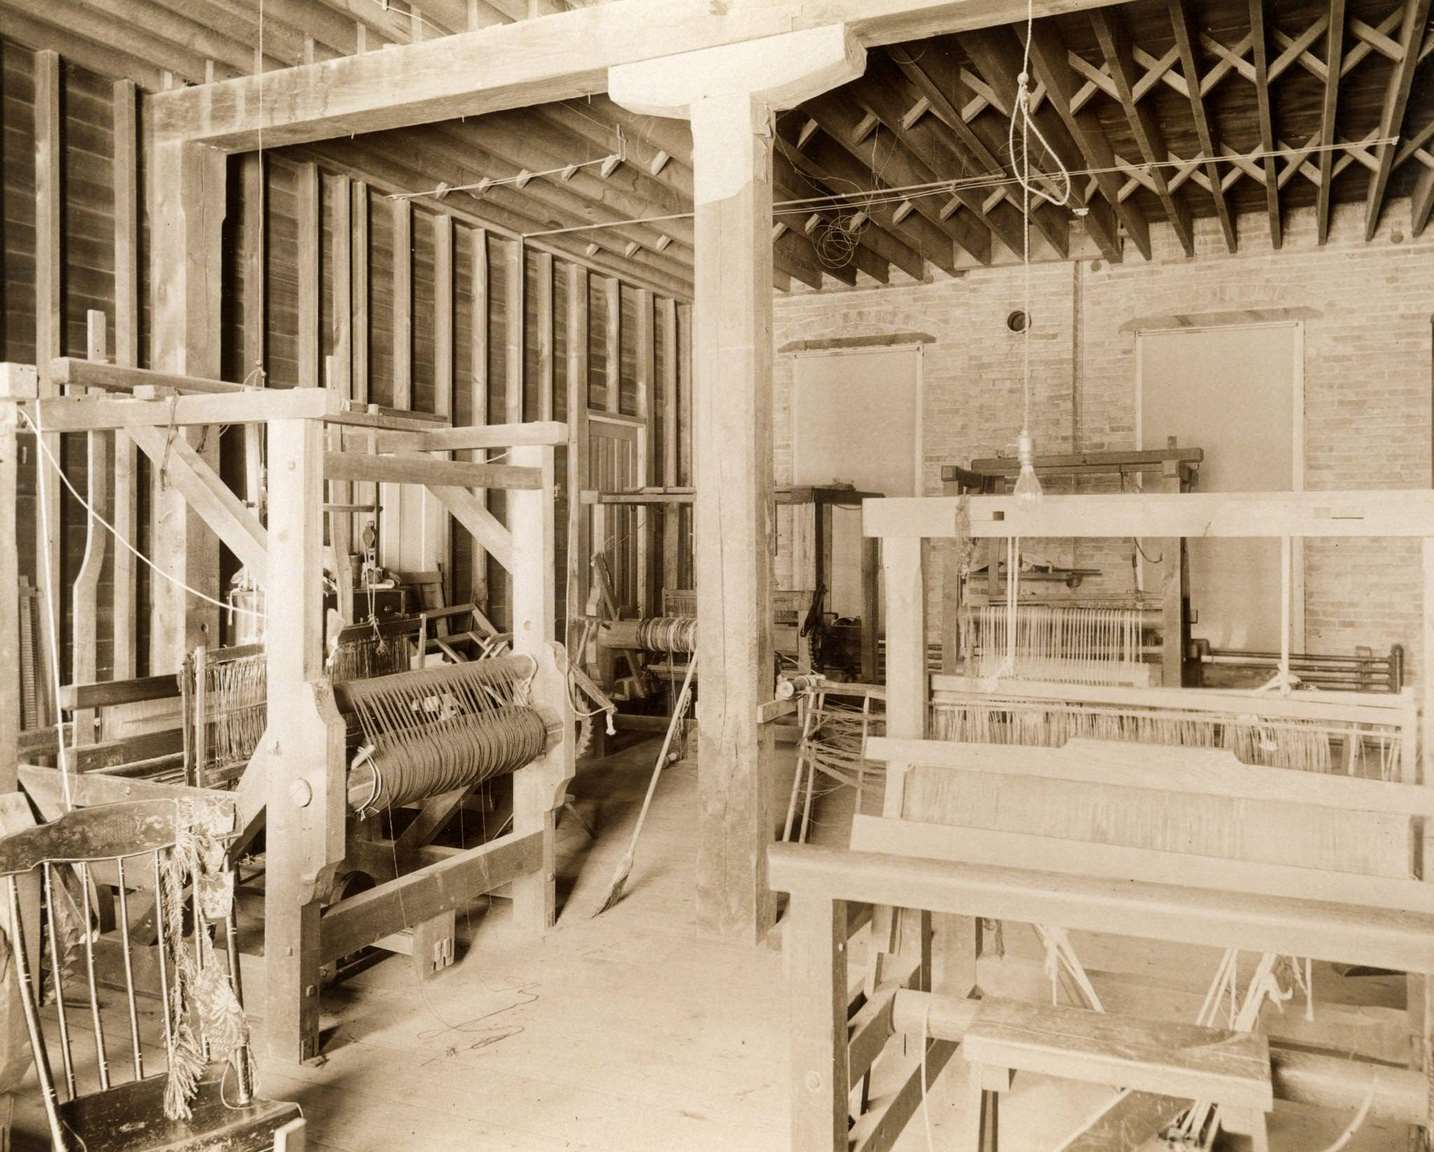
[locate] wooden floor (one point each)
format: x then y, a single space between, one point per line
629 1032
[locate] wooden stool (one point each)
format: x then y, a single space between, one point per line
1184 1061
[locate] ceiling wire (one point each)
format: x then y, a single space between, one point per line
867 199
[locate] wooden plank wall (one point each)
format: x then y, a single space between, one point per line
271 248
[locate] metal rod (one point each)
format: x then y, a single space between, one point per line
128 972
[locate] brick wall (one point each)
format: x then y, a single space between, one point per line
1367 376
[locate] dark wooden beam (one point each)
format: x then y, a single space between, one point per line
1115 45
825 160
883 92
996 55
1421 201
1329 112
1051 59
789 184
927 76
1266 118
1396 100
840 119
1185 40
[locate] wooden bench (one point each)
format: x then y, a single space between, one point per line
1180 845
1229 1069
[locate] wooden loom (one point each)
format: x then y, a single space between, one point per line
1101 856
1163 614
297 785
790 636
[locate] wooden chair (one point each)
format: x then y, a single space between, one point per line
125 846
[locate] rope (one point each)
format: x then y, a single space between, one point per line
52 603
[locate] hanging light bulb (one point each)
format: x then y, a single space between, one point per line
1028 484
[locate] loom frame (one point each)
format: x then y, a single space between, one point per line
835 1036
819 500
294 785
1170 469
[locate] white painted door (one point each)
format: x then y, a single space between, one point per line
1236 393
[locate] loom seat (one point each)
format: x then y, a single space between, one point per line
130 1118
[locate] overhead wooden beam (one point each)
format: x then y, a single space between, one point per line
529 62
996 55
1266 119
1115 46
1396 100
884 93
1050 56
428 471
1329 111
934 85
788 184
19 23
839 117
1421 201
1185 41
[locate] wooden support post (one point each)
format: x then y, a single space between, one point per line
814 954
253 176
612 344
125 606
1172 593
302 753
517 309
85 599
729 93
579 522
671 514
309 233
342 287
543 317
643 360
539 789
358 249
402 304
49 338
687 578
186 184
437 521
17 382
478 403
870 606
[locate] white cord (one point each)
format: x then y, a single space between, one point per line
65 480
925 1108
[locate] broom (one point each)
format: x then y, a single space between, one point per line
624 867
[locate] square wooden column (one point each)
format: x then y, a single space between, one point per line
187 205
729 94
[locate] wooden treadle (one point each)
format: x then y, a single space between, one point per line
1163 1057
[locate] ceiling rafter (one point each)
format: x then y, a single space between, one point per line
1414 16
1185 43
886 161
1114 39
790 184
1050 57
827 162
1049 220
997 56
1260 48
883 93
1329 113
